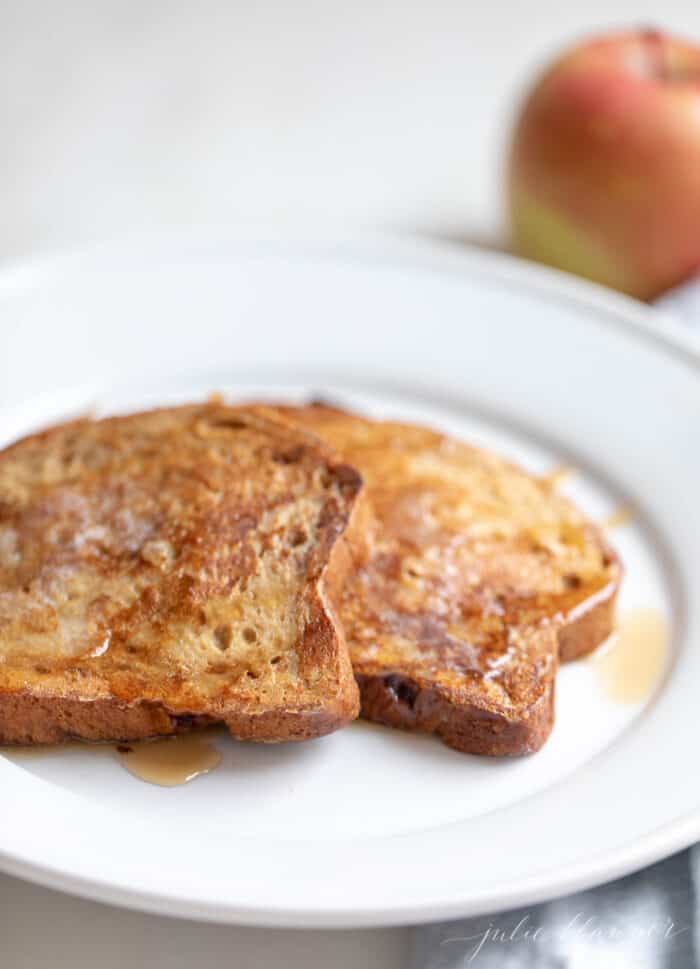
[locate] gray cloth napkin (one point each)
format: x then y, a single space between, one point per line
649 920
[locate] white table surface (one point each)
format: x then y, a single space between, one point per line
130 117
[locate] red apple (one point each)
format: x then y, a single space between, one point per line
604 174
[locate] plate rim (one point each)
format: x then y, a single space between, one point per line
656 326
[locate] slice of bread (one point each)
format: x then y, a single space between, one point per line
168 568
471 582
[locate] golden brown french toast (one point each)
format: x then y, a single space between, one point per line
166 569
473 579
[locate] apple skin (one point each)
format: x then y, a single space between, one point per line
604 170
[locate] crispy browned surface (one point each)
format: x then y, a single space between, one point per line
167 568
474 576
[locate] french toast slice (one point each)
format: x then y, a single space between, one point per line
473 580
167 569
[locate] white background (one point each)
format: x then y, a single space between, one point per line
127 117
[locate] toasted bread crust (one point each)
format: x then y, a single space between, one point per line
476 578
166 569
396 701
585 628
28 718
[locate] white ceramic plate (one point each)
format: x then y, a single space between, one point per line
371 826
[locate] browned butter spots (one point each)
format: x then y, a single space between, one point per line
169 762
558 474
621 516
629 665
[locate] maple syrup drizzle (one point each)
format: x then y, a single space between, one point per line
623 515
169 762
558 474
629 665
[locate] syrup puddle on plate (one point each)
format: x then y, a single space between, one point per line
169 762
558 474
629 664
624 515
